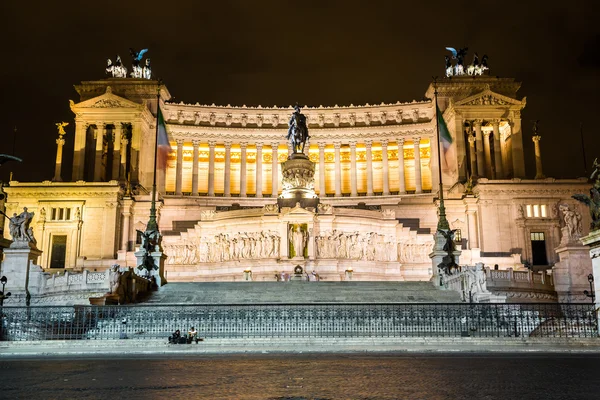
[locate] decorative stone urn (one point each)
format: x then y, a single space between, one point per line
298 182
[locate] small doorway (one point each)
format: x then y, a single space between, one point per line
59 251
538 248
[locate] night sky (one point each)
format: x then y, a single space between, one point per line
311 52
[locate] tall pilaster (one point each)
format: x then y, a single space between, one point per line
100 132
59 148
274 169
401 174
353 183
369 156
211 168
195 154
116 161
179 169
418 177
385 167
516 139
488 155
472 155
322 169
472 234
243 184
126 222
434 163
227 171
338 170
479 145
539 174
259 171
497 151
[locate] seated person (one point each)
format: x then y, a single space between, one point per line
193 335
175 338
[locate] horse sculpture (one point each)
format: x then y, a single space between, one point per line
298 131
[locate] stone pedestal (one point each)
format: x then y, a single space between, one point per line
437 256
159 260
592 241
24 276
571 272
298 183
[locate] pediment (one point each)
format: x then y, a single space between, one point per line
489 98
107 100
299 211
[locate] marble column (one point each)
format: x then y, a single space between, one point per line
401 175
60 142
369 157
123 169
116 161
243 184
353 183
259 171
434 163
516 140
79 150
322 169
227 172
385 167
338 170
472 155
497 151
418 178
211 168
100 131
179 170
479 148
195 144
274 169
539 174
488 155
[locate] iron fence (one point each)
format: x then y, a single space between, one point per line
298 320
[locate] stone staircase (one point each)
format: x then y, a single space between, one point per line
300 292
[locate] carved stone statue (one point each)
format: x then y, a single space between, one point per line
150 243
136 57
114 277
593 200
147 70
572 219
116 69
297 131
19 226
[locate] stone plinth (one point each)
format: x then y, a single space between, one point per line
24 276
438 254
298 183
592 241
571 272
158 274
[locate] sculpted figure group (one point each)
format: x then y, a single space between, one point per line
225 247
369 246
19 226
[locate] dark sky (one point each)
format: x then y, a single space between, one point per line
313 52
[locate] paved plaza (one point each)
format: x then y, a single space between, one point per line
315 376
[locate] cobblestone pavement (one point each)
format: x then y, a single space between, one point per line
315 376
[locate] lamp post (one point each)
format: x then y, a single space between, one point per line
3 296
590 293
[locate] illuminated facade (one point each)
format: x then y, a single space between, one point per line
376 176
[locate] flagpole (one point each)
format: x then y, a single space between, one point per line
152 224
442 221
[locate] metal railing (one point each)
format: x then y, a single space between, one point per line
299 320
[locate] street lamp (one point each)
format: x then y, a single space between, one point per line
590 294
3 296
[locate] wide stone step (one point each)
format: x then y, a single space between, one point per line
301 292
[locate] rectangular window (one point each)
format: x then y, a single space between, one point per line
53 214
457 236
536 211
68 212
529 213
61 214
537 236
543 211
59 251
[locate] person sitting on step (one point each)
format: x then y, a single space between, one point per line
174 339
193 336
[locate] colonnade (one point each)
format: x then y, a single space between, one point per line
484 162
319 153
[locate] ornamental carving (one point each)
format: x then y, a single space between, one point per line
369 246
298 178
487 100
107 103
